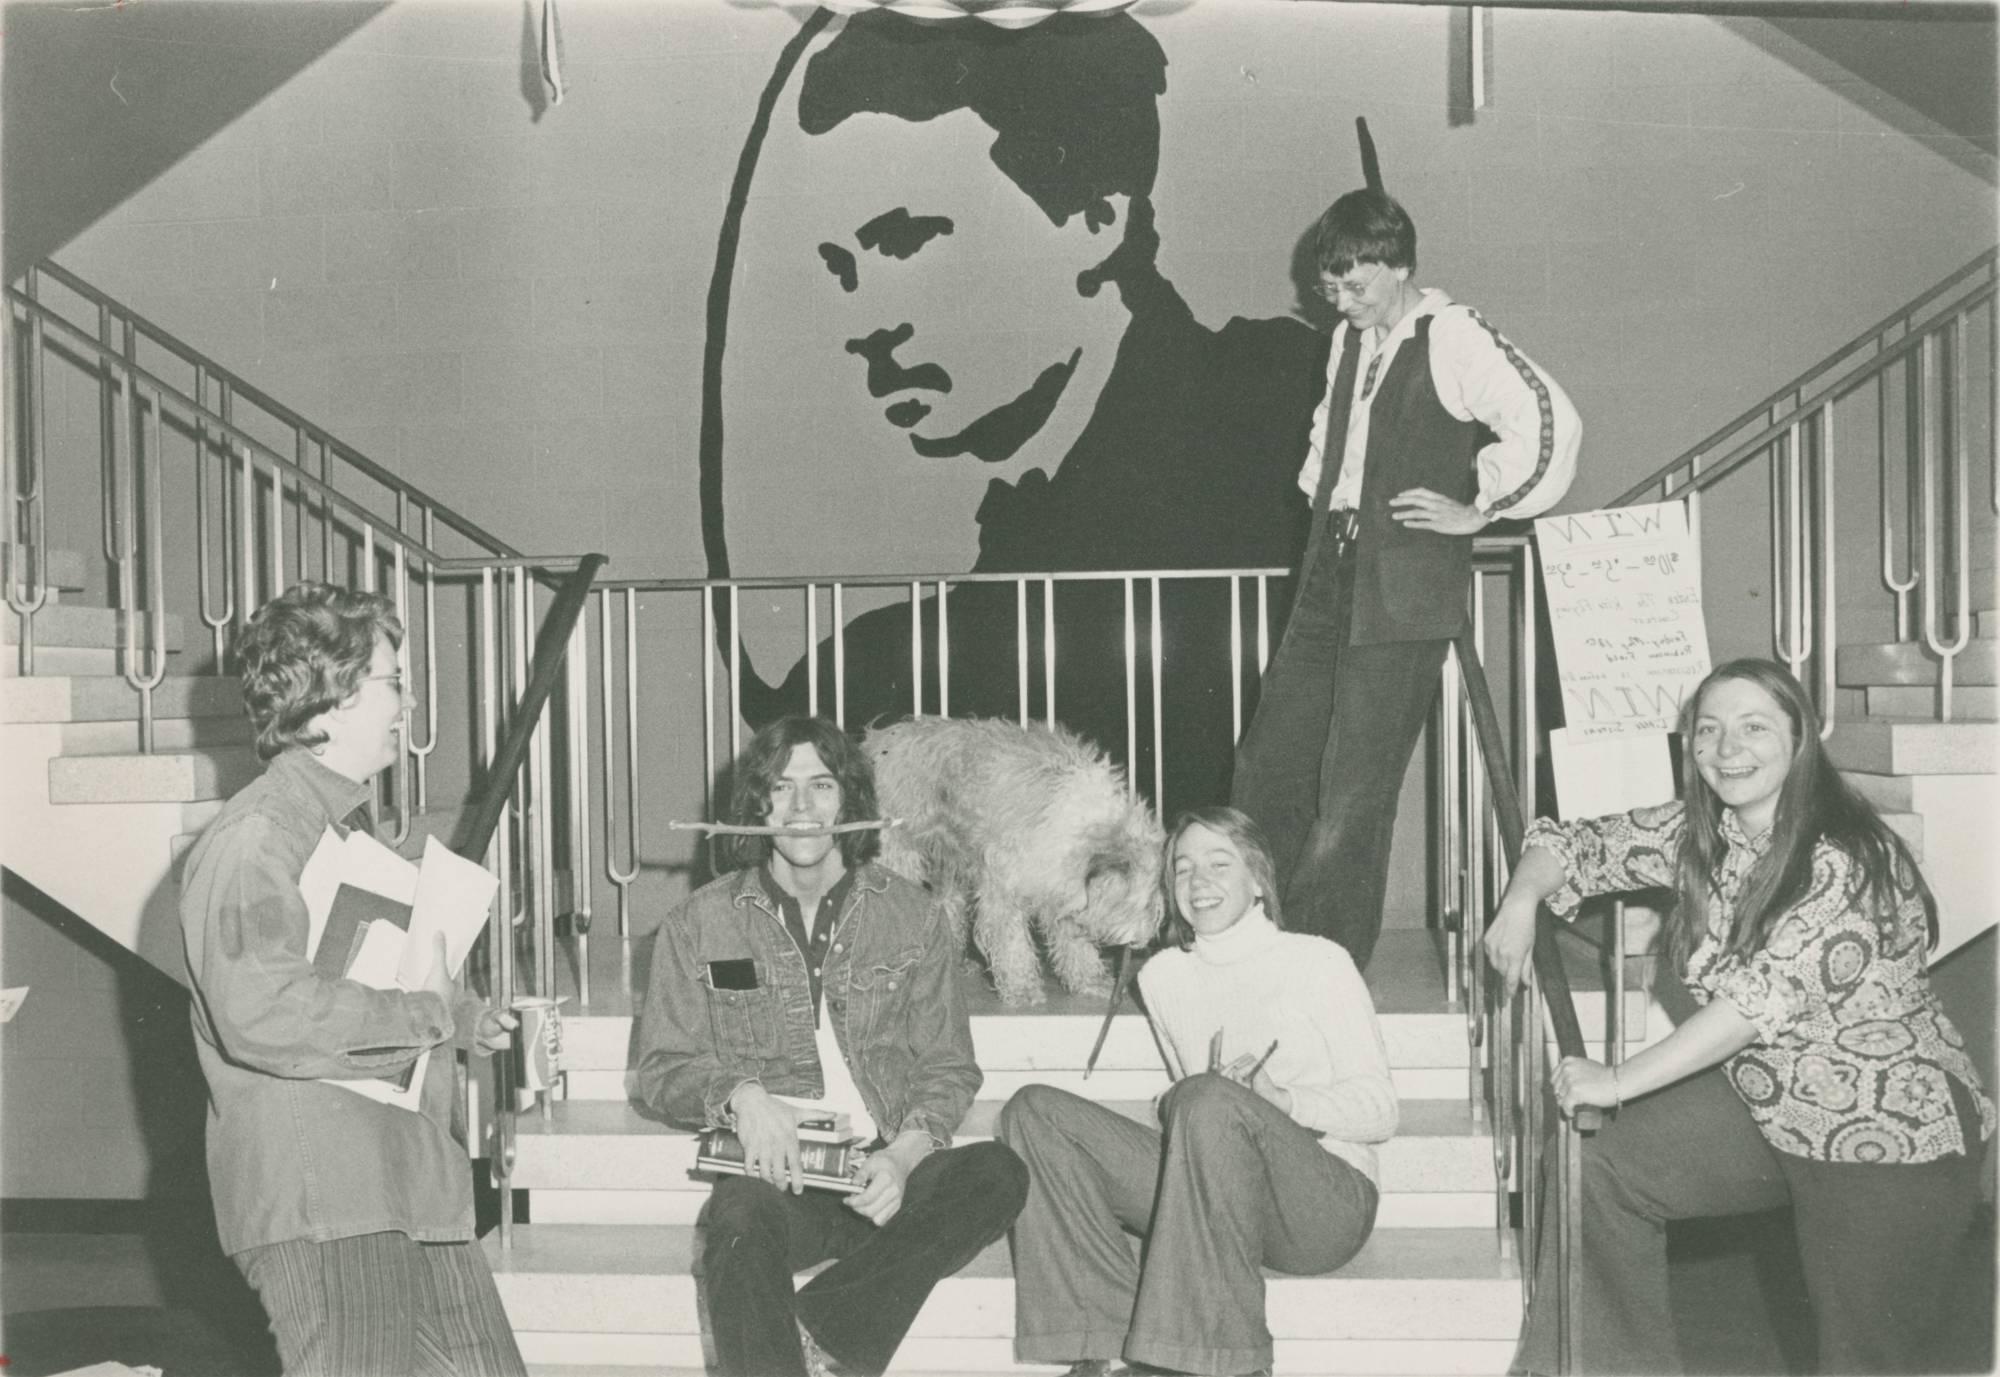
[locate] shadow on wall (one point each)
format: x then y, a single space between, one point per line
99 100
204 1297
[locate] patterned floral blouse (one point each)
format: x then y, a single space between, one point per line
1854 1054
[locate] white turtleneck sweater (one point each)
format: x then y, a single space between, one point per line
1256 983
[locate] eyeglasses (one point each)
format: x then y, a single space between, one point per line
1349 286
394 681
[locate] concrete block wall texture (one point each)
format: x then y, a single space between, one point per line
504 301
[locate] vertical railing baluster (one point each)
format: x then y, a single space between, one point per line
420 751
812 649
622 875
1263 624
1934 541
205 534
710 766
1829 580
1021 656
1049 651
1235 658
839 655
1131 699
1159 738
153 560
405 813
499 929
735 672
27 518
916 649
943 651
578 703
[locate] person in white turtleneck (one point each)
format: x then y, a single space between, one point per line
1265 1152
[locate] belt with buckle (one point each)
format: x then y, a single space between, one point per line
1342 525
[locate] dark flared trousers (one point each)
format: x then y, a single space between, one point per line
1321 767
383 1305
754 1236
1231 1186
1875 1242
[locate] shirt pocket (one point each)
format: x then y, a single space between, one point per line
747 1023
878 988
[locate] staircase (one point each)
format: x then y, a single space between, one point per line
1941 775
601 1275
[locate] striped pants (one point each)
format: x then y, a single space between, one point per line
383 1305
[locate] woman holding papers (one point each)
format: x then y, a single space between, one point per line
1820 1071
1264 1156
351 1217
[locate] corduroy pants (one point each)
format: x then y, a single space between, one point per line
383 1305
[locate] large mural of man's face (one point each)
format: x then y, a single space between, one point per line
914 314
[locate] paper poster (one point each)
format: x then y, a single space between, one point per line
1624 598
1596 775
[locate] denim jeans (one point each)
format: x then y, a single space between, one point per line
1230 1186
754 1236
1321 767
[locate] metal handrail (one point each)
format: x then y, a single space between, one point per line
241 387
1903 316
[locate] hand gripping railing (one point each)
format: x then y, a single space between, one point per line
1547 990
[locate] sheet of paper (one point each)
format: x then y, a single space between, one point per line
1600 774
382 1092
359 860
10 1002
1624 597
453 896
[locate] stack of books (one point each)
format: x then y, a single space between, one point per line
829 1153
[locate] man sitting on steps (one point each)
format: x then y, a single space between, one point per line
812 974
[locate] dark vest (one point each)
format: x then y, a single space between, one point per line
1409 585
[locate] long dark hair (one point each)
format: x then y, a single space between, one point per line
1247 837
763 762
1813 802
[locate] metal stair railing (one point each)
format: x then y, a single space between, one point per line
1797 431
530 825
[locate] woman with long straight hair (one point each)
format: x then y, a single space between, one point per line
1820 1070
1264 1155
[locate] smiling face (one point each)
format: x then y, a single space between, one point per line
1213 886
1370 296
1743 748
805 795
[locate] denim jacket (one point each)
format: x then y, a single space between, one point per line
890 982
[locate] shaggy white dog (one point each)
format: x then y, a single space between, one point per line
1026 830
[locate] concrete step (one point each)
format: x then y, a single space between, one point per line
74 624
62 570
1909 662
1969 702
1957 813
169 734
605 1163
1412 1301
108 698
166 777
1913 746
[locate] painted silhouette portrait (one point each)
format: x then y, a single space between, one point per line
978 287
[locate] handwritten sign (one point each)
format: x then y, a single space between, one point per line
1625 608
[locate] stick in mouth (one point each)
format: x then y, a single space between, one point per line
734 829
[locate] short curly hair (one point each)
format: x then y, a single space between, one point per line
305 652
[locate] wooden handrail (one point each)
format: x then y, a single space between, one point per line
1513 827
551 644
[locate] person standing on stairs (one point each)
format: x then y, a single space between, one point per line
1433 425
1150 1243
351 1219
812 975
1820 1070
